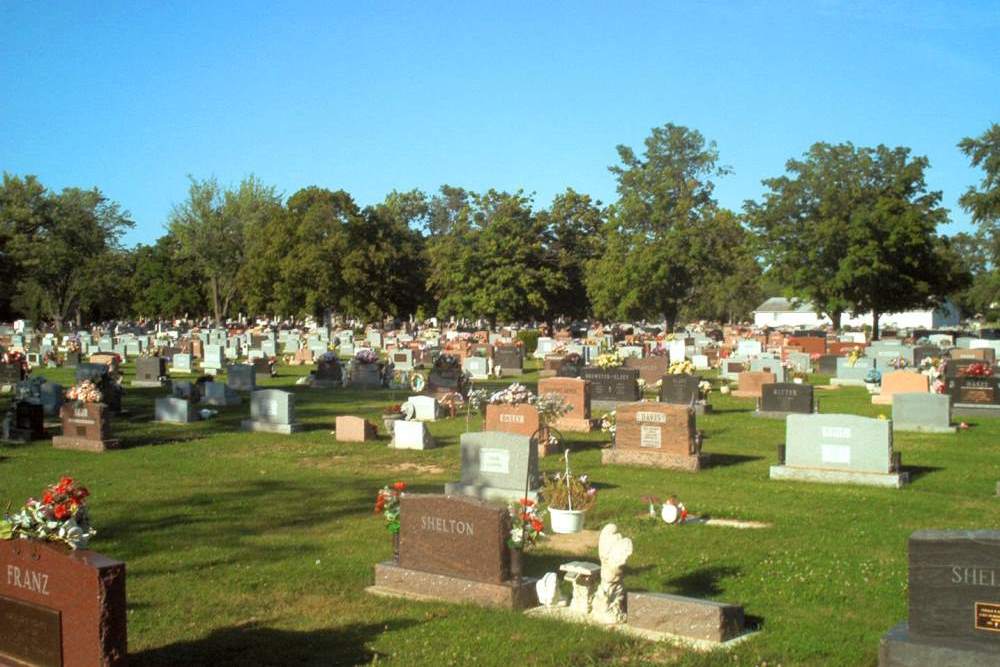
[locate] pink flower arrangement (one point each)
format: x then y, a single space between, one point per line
85 392
366 357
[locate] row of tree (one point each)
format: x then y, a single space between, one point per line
851 229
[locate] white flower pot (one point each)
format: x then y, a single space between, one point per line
567 521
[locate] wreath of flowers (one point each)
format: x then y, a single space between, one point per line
84 392
515 394
681 368
387 504
609 360
16 358
366 357
60 516
526 526
978 369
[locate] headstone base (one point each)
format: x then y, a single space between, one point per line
395 581
19 435
898 648
81 445
917 428
846 382
971 410
704 620
736 393
772 414
147 384
233 399
323 384
265 427
546 374
600 407
574 425
691 463
891 480
510 372
486 492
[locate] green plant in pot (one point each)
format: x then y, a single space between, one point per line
568 498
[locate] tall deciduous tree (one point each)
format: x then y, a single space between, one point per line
58 245
654 256
573 224
212 227
855 228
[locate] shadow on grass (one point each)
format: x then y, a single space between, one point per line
916 472
701 583
722 411
723 460
255 645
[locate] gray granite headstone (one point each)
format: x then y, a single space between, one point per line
241 377
839 448
954 602
930 413
497 465
786 397
174 410
768 366
271 410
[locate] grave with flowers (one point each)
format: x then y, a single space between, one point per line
60 603
455 549
447 377
658 435
86 420
365 370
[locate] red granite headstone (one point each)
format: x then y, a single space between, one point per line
61 607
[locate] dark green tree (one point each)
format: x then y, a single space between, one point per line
573 224
655 252
855 228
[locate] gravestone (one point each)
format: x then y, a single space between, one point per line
769 366
658 435
425 408
611 386
496 466
241 377
25 422
752 383
683 390
928 413
454 549
86 427
272 411
72 359
839 449
446 377
974 396
149 372
571 366
365 376
688 618
509 359
651 369
576 393
477 367
181 363
261 368
213 362
522 419
174 410
731 368
52 397
408 434
402 360
61 607
354 429
219 395
954 605
826 364
10 374
852 375
901 382
780 399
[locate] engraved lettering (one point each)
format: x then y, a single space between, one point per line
442 525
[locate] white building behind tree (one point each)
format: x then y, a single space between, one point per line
781 312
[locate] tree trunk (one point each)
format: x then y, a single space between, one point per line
875 327
835 317
216 304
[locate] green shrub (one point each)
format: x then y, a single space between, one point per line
530 339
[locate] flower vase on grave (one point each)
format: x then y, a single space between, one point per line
515 565
395 547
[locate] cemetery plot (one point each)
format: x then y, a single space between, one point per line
657 435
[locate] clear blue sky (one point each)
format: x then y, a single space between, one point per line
370 96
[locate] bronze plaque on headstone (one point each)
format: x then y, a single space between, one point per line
988 616
29 633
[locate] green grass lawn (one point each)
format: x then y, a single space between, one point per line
255 549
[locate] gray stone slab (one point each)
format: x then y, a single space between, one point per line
174 410
922 412
497 465
887 480
838 442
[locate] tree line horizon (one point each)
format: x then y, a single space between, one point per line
847 228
